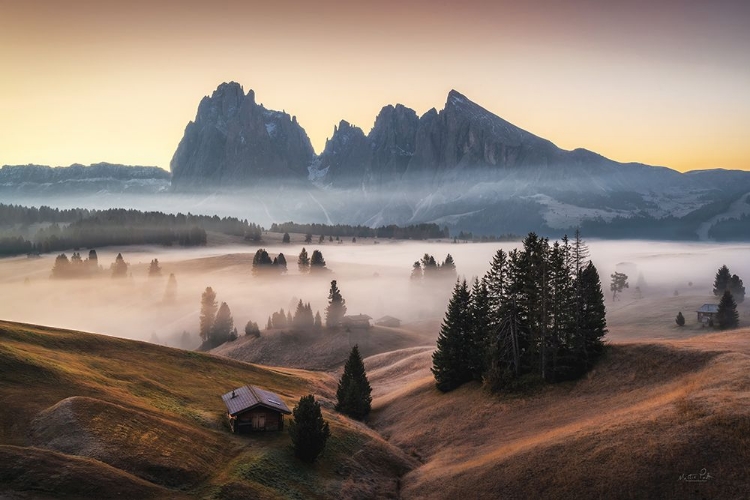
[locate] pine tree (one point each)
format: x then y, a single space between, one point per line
619 282
737 289
318 321
208 313
261 261
721 281
680 319
252 329
119 267
93 261
285 238
593 318
429 266
308 238
154 269
336 309
450 364
317 262
308 430
448 268
727 316
354 392
303 262
222 327
416 271
170 293
61 269
479 337
281 262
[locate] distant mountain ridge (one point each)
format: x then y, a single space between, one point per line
42 174
462 167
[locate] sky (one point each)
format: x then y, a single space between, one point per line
664 83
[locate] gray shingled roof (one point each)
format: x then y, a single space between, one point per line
357 317
708 308
249 396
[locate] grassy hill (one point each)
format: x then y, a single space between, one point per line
325 350
647 414
90 416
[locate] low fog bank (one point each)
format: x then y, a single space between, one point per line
374 279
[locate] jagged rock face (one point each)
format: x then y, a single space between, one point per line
233 141
393 142
383 155
346 155
464 134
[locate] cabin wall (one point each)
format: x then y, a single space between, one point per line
259 419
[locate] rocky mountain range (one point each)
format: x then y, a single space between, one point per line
461 166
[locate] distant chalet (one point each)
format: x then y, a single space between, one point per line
251 408
358 321
388 321
706 313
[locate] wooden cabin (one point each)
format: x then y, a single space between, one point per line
251 409
706 314
388 321
358 321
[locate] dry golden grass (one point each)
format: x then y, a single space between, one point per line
648 413
325 350
149 418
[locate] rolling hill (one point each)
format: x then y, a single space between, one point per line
91 416
648 416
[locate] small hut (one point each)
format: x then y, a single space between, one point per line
388 321
358 321
251 408
706 313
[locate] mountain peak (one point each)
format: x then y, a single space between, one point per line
456 96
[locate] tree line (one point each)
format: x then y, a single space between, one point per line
428 268
81 228
412 232
538 314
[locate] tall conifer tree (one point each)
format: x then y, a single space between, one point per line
450 361
354 392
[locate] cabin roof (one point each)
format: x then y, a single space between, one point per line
387 318
358 317
249 396
708 308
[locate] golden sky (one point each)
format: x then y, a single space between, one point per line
664 83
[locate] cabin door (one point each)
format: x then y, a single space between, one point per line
259 421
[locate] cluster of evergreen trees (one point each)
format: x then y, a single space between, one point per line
75 267
303 319
428 268
537 314
216 322
726 281
730 288
80 228
412 232
306 264
262 263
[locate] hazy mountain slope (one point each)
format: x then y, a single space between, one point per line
41 180
149 421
